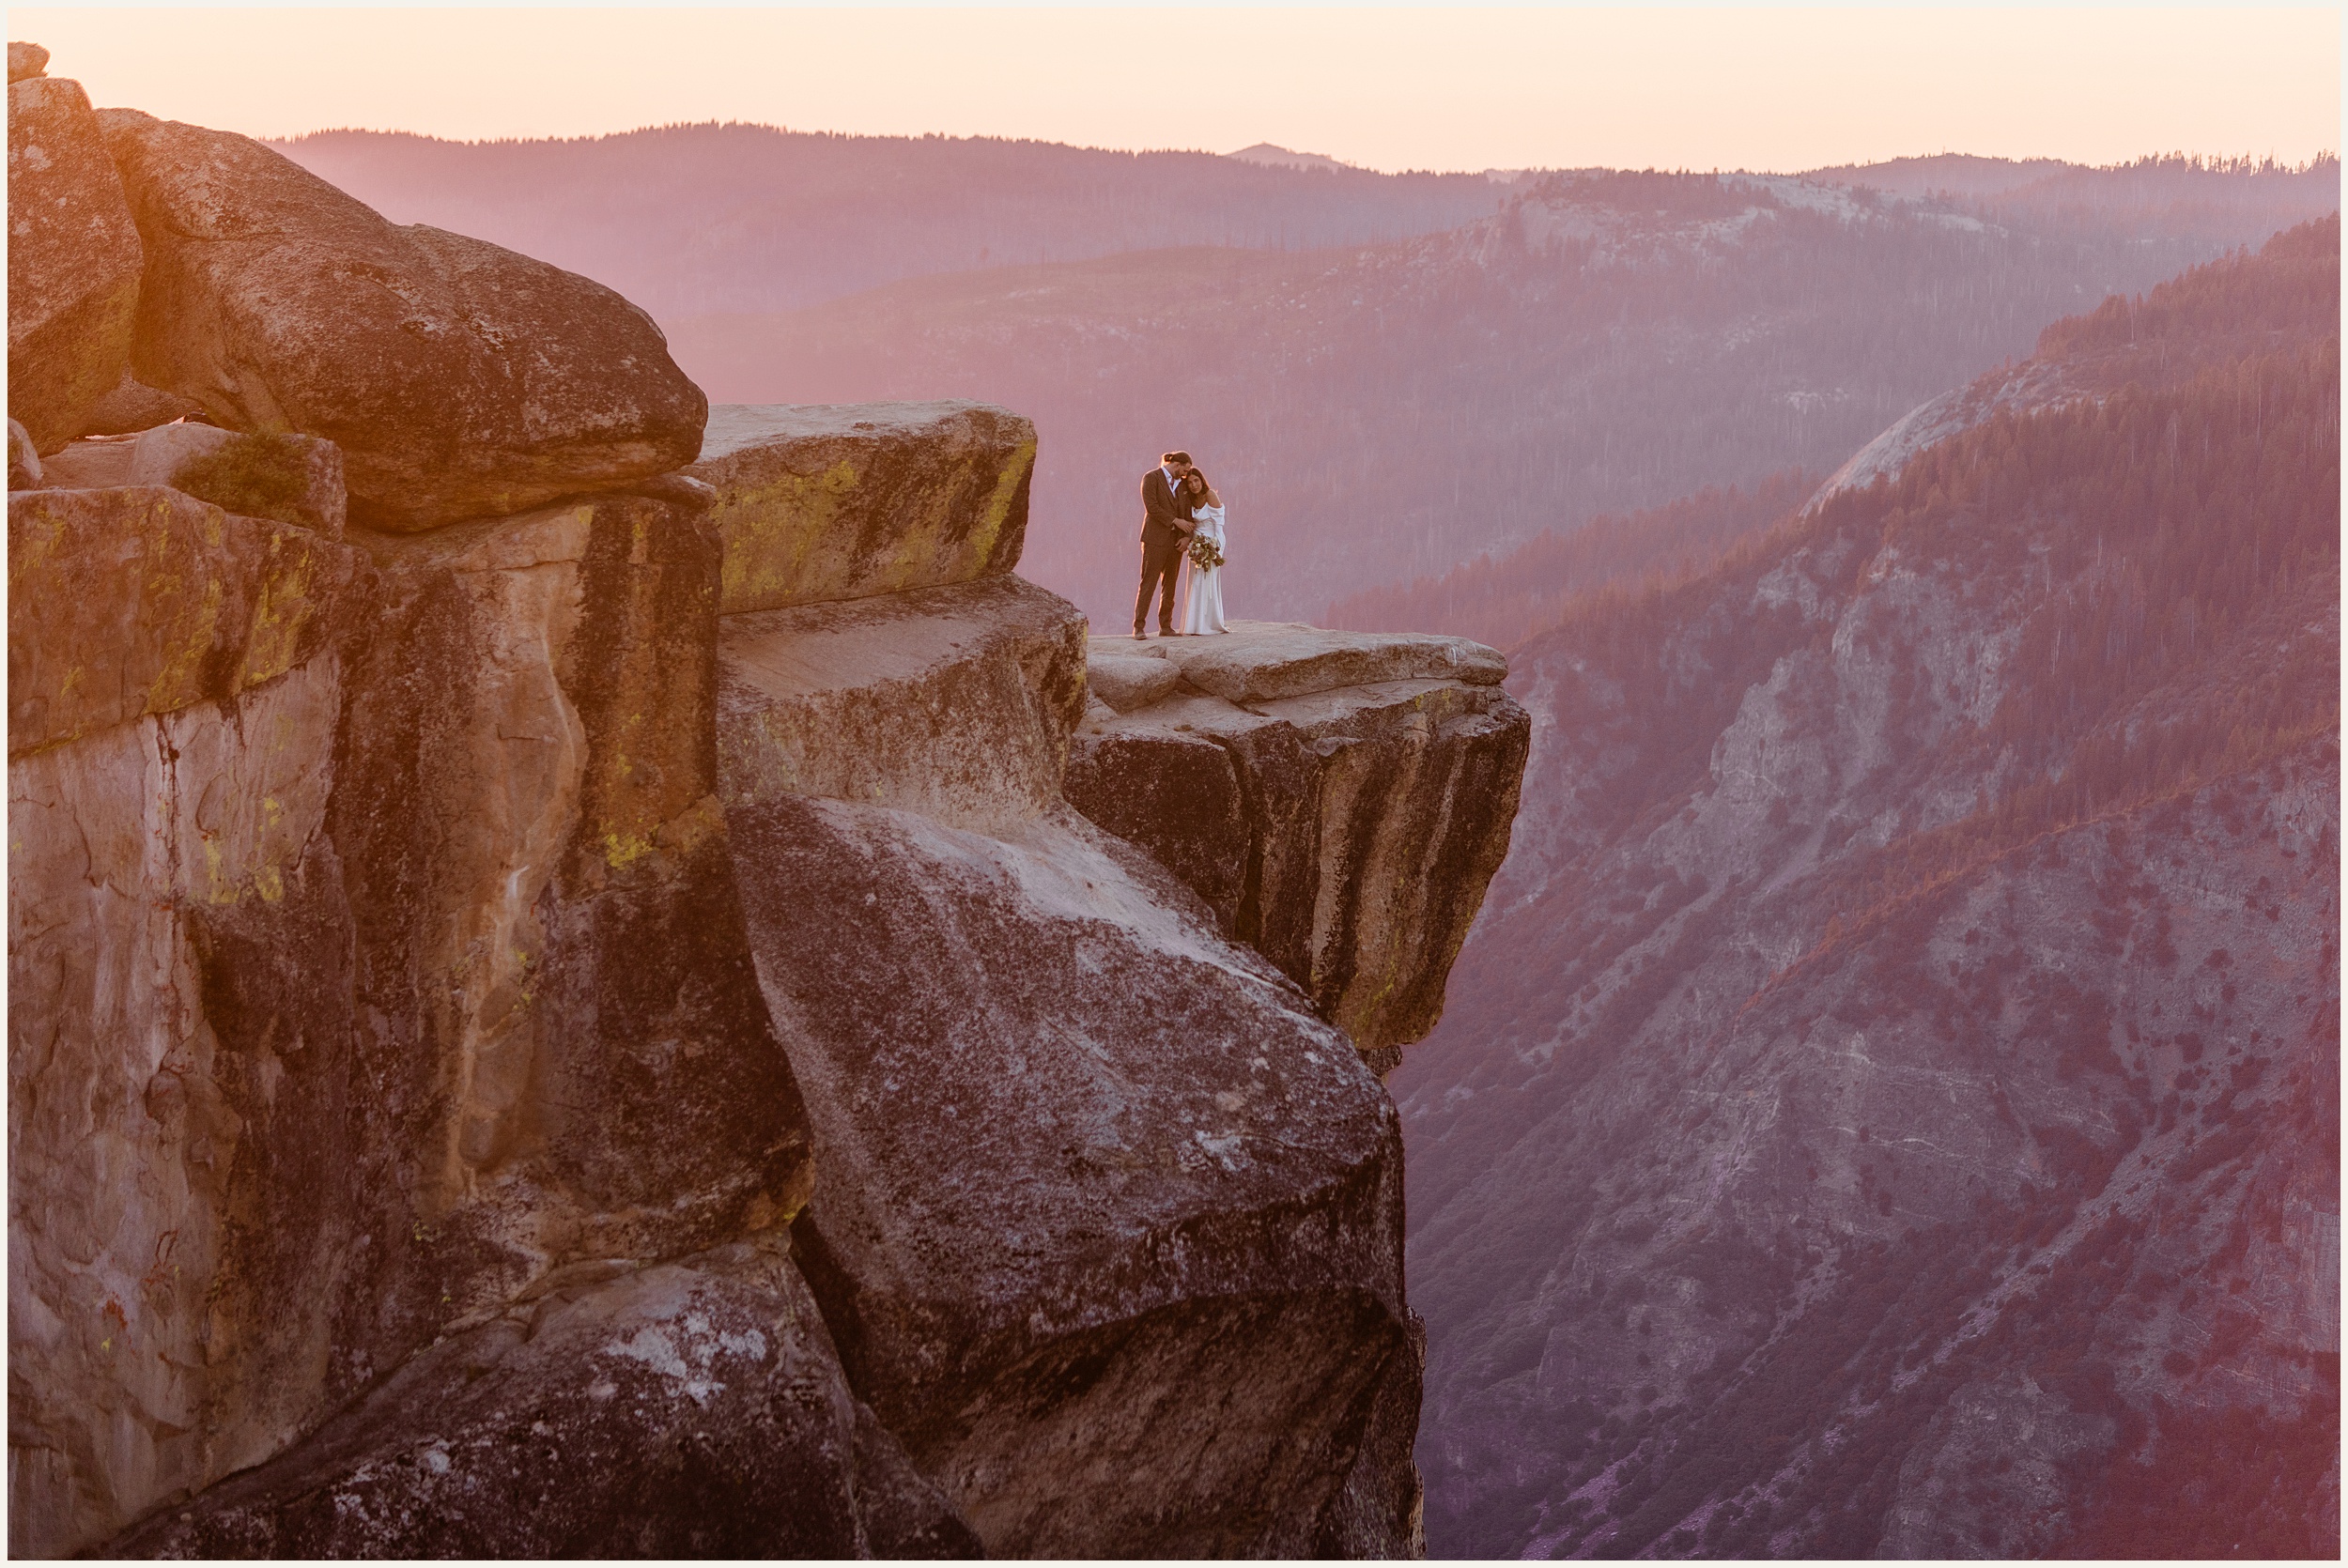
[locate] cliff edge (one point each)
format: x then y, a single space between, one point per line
569 1005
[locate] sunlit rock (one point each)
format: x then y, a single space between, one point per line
357 987
460 379
954 702
75 256
124 603
843 501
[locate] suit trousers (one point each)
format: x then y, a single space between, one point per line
1158 562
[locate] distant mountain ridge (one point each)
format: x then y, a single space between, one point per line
1605 342
692 219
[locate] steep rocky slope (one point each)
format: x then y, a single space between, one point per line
591 1028
1892 1103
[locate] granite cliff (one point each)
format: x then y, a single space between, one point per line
579 982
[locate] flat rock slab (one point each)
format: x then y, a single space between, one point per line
74 261
143 600
825 501
1260 661
317 500
687 1409
1109 1228
460 379
1346 830
956 701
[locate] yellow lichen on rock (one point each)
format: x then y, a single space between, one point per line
825 503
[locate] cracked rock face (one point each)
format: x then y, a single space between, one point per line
956 702
689 1409
1339 799
74 261
459 378
351 998
1106 1225
1109 1221
825 501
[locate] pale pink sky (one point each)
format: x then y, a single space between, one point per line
1387 88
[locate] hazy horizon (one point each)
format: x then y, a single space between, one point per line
1388 89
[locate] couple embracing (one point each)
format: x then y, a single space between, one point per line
1181 517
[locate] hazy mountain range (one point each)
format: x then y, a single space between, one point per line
1433 366
1890 1105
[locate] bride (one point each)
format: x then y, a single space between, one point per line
1202 611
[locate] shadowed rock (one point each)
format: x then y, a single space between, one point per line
74 258
23 461
1110 1227
133 406
459 378
689 1409
843 501
1345 830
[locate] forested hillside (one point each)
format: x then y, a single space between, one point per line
1502 600
1611 342
1891 1104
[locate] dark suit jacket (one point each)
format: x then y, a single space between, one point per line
1161 516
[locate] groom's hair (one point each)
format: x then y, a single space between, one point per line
1175 458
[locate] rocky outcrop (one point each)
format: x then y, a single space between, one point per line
427 945
956 702
459 379
26 60
126 603
420 931
1141 1296
1340 800
296 479
841 501
693 1408
74 257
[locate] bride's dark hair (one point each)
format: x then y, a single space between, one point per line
1192 498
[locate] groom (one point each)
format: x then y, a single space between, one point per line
1166 529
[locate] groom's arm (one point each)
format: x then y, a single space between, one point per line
1157 499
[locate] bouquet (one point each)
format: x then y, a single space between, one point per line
1205 554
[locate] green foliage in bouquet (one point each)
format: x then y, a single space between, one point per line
254 476
1205 554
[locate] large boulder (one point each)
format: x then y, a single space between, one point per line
840 501
458 378
1110 1228
1339 799
74 259
684 1410
954 702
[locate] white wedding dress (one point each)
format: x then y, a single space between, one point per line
1202 609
